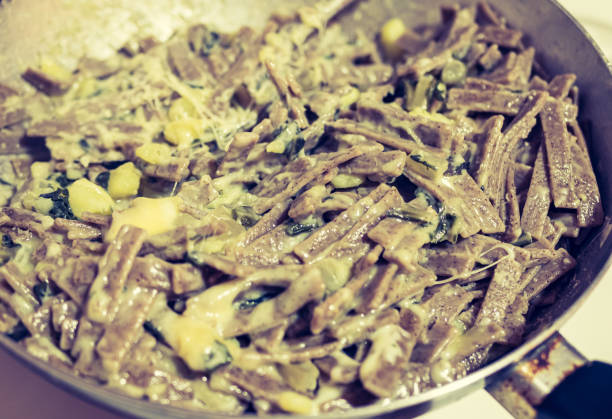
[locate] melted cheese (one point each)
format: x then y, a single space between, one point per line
442 372
154 215
214 306
190 338
194 333
470 339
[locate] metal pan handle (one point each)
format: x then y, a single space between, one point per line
555 382
584 394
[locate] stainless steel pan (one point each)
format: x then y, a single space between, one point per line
521 378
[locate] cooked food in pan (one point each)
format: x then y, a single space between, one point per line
292 220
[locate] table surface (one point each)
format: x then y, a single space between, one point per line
23 394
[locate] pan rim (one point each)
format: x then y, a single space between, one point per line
477 378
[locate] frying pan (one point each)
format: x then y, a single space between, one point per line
521 378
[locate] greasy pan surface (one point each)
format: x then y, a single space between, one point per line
562 47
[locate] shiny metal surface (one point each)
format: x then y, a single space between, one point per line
70 28
534 377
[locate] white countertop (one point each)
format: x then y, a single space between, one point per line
23 394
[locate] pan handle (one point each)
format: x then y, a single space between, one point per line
555 381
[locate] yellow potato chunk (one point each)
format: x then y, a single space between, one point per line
42 205
86 88
182 108
40 169
124 181
86 196
154 153
349 97
51 68
154 215
266 53
390 33
276 146
334 272
343 181
294 402
301 376
183 132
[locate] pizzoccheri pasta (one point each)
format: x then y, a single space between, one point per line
292 220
